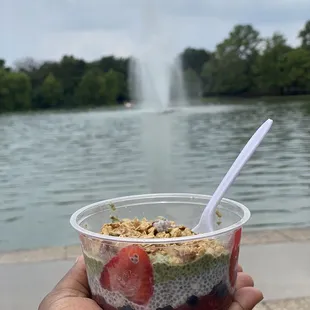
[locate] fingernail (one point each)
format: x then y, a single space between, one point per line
77 259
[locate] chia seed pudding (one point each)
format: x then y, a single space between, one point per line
198 274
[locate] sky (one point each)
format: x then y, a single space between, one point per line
90 29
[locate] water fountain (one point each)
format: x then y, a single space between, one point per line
156 76
156 81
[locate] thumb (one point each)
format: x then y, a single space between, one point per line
246 298
75 280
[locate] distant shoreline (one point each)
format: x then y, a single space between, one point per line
203 101
230 99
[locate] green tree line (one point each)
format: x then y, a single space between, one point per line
243 64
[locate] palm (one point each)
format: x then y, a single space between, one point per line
74 303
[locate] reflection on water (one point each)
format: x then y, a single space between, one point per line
52 164
157 149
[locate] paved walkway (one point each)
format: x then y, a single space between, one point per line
279 264
281 271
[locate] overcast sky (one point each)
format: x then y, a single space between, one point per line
47 29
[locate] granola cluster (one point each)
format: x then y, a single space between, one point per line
161 228
136 228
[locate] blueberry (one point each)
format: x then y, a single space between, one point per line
127 307
192 301
220 290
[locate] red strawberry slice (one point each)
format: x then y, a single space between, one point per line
234 257
130 273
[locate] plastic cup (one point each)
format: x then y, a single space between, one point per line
122 275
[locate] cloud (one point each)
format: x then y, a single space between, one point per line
47 29
86 44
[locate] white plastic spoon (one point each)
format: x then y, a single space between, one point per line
206 220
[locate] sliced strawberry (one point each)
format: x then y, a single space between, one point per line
234 257
130 272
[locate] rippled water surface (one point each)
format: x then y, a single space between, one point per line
52 164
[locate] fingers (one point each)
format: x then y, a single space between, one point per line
246 298
75 280
244 280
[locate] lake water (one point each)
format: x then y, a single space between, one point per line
52 164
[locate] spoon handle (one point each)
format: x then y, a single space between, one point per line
241 160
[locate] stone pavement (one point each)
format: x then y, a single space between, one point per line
279 262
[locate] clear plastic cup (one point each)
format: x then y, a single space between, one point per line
122 273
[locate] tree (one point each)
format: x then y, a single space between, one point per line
5 105
194 59
51 93
270 65
27 65
193 84
15 91
304 35
243 64
297 71
70 72
114 82
243 40
231 66
123 93
105 64
3 65
92 90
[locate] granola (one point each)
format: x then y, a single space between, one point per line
177 253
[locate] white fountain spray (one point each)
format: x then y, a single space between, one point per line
155 71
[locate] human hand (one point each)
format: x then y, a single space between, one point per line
246 296
72 292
